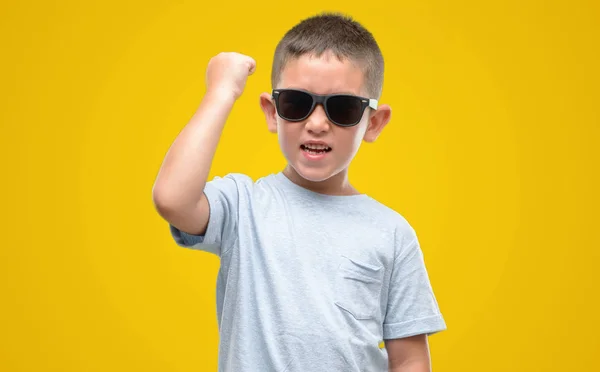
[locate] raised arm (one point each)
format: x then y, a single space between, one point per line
178 190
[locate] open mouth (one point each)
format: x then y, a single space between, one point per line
315 149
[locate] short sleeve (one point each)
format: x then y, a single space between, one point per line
412 308
225 195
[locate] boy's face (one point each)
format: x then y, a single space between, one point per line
323 75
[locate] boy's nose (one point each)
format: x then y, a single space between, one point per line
318 121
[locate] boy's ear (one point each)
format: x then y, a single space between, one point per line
268 107
377 122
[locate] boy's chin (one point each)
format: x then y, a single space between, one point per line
314 174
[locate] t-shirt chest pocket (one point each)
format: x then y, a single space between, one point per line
358 288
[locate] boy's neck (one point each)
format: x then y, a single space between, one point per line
338 184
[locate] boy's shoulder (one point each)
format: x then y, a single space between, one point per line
390 217
386 212
369 220
370 208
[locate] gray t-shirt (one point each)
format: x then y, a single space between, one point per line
311 282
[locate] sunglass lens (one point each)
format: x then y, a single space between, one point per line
294 105
345 110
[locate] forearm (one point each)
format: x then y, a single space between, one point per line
184 172
415 366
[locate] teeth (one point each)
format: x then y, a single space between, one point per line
316 147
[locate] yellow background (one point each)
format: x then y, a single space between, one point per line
492 155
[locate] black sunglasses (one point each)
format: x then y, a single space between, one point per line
342 109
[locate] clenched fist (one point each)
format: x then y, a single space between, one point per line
227 73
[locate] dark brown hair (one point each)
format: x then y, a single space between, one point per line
336 33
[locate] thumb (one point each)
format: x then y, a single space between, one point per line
251 66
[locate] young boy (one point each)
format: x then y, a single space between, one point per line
313 273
